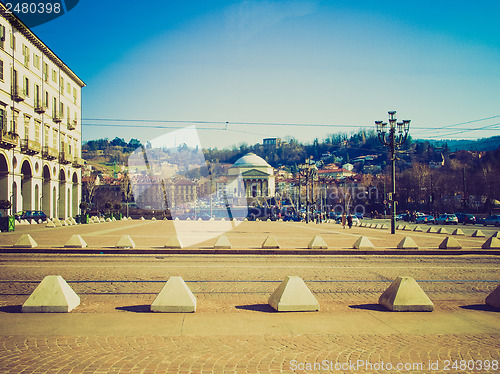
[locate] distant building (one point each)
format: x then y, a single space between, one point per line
437 163
257 174
337 173
40 124
275 142
348 166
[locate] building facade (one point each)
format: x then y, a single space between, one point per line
40 124
256 174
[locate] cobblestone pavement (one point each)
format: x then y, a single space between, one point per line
234 331
250 354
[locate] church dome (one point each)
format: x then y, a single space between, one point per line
251 160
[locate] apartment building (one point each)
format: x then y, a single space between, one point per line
40 124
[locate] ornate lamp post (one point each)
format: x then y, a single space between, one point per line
308 170
393 137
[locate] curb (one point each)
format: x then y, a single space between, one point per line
250 251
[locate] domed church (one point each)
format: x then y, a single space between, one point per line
257 176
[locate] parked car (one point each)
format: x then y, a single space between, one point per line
359 215
492 220
30 215
425 219
402 217
447 219
466 218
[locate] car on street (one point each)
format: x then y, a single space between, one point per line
31 215
494 220
466 218
425 219
447 219
359 215
402 217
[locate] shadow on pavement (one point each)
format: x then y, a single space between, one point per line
374 307
135 308
11 309
266 308
480 307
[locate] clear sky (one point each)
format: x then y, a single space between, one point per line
332 66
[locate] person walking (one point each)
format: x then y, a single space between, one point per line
349 221
343 220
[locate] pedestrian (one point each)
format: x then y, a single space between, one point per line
343 220
349 221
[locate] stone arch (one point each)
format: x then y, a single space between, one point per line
4 177
74 194
14 197
46 191
26 185
62 214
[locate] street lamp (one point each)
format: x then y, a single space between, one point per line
393 137
308 169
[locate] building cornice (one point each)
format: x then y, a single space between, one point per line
30 35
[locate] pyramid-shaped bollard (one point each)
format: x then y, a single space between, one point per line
417 229
491 243
173 243
405 295
478 234
292 295
125 242
399 227
442 230
153 219
317 243
50 225
52 295
57 222
407 243
458 232
76 241
270 243
493 299
222 243
25 241
142 219
363 243
108 219
175 297
407 228
432 230
102 220
496 234
450 243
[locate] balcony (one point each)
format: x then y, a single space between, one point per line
49 153
40 108
17 94
56 117
30 147
72 124
78 162
65 157
8 139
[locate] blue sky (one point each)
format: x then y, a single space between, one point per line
333 66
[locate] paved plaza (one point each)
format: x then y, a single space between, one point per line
233 329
